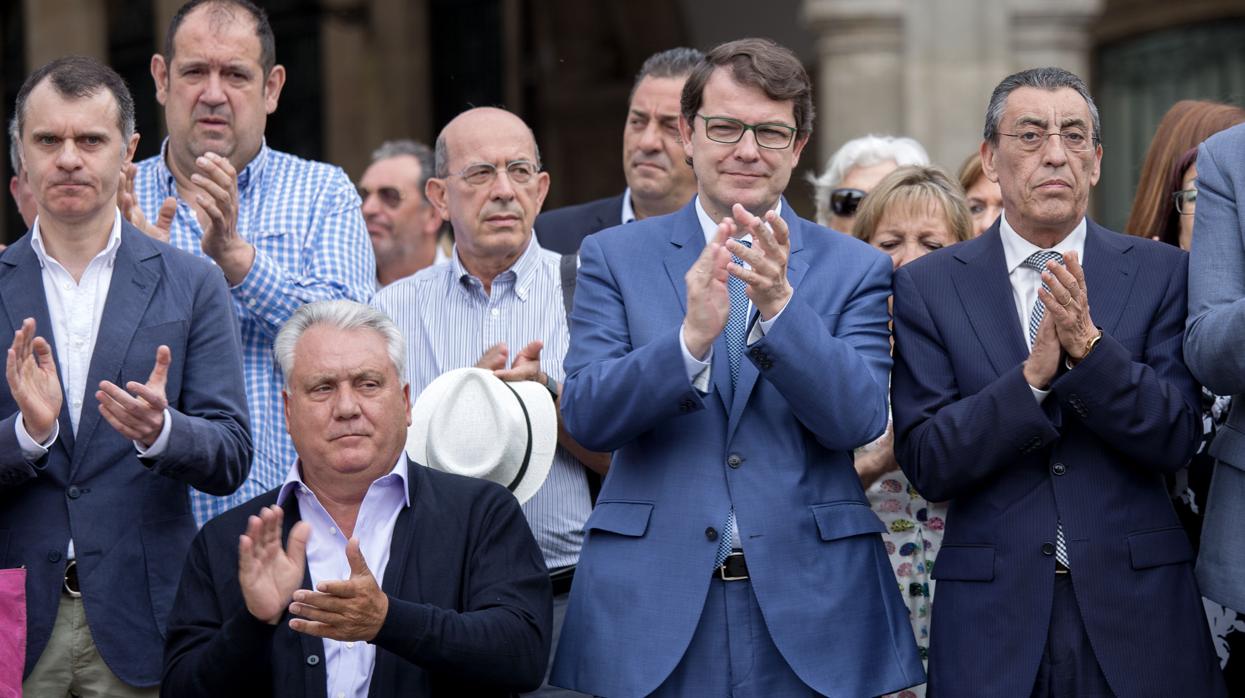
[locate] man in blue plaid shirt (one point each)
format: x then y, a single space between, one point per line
285 231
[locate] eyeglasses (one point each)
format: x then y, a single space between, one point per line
1075 140
723 129
844 202
519 172
1185 200
389 196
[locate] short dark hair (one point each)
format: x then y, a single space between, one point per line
675 62
417 150
1050 79
759 63
263 30
15 153
80 77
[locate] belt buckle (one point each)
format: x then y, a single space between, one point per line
722 570
71 574
1060 568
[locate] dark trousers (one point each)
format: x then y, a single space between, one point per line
1069 668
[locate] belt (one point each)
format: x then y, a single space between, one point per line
561 579
734 569
71 579
1061 568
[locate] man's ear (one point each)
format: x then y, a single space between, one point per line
160 76
685 137
987 162
131 147
438 196
272 87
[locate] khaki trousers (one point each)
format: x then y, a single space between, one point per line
70 666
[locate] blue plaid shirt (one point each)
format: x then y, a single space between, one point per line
310 243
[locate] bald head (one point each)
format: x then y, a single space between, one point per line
489 187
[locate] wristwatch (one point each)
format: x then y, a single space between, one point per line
1089 346
552 386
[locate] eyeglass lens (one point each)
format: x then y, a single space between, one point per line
389 196
844 202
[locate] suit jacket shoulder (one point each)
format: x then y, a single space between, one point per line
562 229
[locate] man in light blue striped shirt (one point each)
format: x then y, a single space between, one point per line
497 303
285 231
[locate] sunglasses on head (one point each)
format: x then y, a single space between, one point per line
844 202
389 196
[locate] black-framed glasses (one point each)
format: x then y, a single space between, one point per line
723 129
389 196
479 174
844 202
1033 138
1186 200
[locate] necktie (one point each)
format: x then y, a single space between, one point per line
736 331
1038 261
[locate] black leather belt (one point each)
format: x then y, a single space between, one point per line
71 579
734 569
561 579
1061 568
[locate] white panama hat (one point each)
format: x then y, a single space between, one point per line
470 422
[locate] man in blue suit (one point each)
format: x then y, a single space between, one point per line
1046 400
123 386
1213 350
732 550
658 180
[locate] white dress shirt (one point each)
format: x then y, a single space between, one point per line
628 212
1025 281
348 665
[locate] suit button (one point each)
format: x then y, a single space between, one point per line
754 352
313 660
734 460
711 533
73 492
1059 468
1048 549
54 556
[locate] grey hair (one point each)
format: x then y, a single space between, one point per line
442 154
865 151
15 152
419 151
1050 79
342 315
675 62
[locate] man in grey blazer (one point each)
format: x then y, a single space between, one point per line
1213 349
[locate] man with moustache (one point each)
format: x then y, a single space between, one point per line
402 223
123 387
285 231
498 305
732 551
1046 398
659 181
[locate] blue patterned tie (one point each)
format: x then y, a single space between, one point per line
1038 261
736 331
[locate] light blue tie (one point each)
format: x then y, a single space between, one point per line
736 331
1038 261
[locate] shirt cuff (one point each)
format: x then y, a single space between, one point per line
760 328
161 443
1039 394
697 370
33 450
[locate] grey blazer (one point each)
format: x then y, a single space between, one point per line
1215 352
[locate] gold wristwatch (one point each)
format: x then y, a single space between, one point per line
1089 346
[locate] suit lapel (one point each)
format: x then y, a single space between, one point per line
1109 274
308 645
24 296
401 556
748 374
986 293
128 296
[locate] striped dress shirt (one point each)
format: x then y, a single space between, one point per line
449 322
304 219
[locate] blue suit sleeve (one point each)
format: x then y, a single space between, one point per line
945 442
1216 323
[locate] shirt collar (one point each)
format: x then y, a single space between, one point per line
1017 249
399 474
250 173
109 253
628 213
710 228
524 268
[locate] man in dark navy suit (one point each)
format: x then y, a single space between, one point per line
1039 387
659 180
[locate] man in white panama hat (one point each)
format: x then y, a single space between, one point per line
364 573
